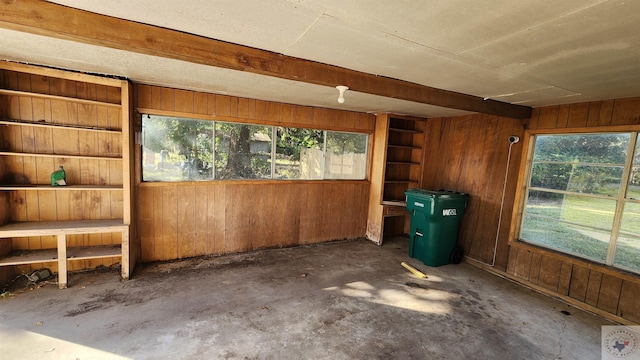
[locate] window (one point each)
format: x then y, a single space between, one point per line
177 149
583 197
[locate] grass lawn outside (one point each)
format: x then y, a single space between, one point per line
567 223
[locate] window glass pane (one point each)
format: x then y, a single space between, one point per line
633 191
584 148
176 149
299 153
573 239
627 250
572 208
346 156
603 180
243 151
631 219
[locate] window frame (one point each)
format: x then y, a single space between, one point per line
621 200
273 132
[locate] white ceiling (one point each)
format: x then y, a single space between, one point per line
530 52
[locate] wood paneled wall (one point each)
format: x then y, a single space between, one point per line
179 220
198 105
597 288
469 154
24 170
184 219
596 114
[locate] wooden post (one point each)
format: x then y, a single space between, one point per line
62 261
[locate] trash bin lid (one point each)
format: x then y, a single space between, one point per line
434 193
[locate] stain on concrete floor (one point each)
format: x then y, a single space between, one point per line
345 300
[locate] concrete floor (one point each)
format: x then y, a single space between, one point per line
346 300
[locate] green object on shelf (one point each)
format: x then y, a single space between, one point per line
59 177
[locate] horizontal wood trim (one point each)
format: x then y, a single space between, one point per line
405 131
564 298
577 261
53 20
58 126
62 74
39 228
25 257
57 97
247 182
60 188
93 252
86 157
580 130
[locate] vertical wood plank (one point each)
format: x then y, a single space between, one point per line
606 111
549 273
184 101
158 225
563 116
534 273
146 224
548 118
564 280
609 293
626 112
629 305
578 115
579 282
201 219
169 222
200 103
144 96
593 117
186 221
168 99
523 264
593 287
219 218
223 105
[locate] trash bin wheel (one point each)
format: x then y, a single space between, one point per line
456 255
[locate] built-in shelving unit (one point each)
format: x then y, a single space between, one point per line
51 118
397 167
403 159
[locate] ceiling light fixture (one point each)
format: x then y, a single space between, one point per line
341 89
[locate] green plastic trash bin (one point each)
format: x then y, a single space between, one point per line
434 225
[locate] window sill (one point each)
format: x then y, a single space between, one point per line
247 182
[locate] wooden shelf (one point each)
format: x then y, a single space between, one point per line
405 146
58 126
409 131
57 97
43 228
25 257
401 203
59 188
399 181
402 163
93 252
88 157
97 123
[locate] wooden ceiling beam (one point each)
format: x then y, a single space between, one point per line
57 21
